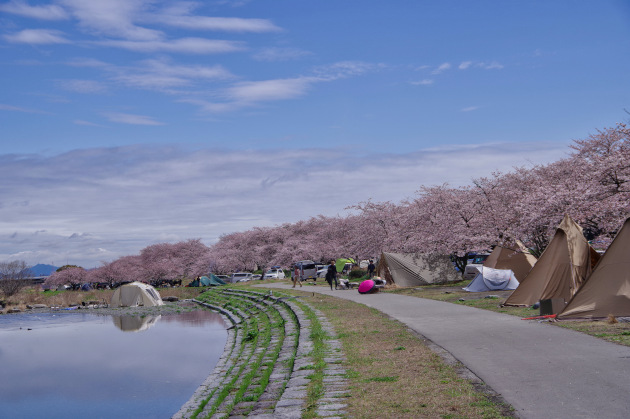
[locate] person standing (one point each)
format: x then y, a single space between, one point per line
296 276
331 274
371 269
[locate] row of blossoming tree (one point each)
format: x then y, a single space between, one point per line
591 185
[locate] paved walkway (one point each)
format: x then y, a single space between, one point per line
543 371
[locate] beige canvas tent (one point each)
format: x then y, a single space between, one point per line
607 290
136 294
412 269
515 258
561 269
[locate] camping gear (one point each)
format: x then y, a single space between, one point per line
490 279
561 269
414 269
607 290
136 294
368 286
205 281
345 284
516 258
340 263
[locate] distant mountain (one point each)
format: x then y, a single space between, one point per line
43 270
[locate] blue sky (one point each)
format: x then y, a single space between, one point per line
129 122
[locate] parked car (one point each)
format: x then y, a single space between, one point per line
225 278
274 273
240 277
307 269
256 276
321 273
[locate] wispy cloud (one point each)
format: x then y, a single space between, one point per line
492 65
83 86
44 12
132 119
223 24
470 108
182 45
280 54
162 75
86 123
344 69
251 93
266 90
11 108
118 194
424 82
441 68
112 18
37 37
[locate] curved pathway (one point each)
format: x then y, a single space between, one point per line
543 371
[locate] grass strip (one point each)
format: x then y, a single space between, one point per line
392 373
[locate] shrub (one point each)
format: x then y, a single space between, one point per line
357 273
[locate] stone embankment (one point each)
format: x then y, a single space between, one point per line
281 360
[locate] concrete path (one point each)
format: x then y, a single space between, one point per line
543 371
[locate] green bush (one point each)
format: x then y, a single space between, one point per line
357 273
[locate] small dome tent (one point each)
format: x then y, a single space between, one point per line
490 279
136 294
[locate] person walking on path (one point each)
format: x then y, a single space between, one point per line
371 269
296 276
331 274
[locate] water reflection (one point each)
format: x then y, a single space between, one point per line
135 323
60 365
194 318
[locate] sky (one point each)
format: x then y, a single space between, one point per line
126 123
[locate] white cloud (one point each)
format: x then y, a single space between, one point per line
131 119
162 75
441 68
112 18
250 93
45 12
465 64
224 24
266 90
470 108
37 37
182 45
123 199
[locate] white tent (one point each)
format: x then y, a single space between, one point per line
134 323
490 279
136 294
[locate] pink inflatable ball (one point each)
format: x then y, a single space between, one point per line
368 286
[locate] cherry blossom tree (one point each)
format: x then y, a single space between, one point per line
74 276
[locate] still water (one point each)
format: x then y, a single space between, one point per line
76 364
